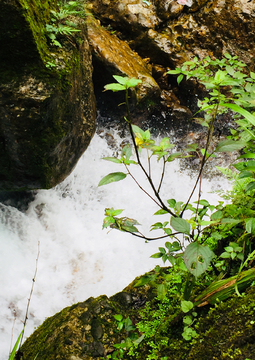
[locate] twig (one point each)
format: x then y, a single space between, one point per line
31 292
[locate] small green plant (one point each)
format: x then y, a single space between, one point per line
188 320
60 23
132 336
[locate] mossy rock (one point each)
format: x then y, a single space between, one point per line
88 330
47 104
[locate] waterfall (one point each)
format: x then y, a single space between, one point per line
77 258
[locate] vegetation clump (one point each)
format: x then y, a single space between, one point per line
214 259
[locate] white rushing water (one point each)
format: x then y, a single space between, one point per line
77 258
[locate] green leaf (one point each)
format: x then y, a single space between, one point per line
246 165
133 82
114 87
12 354
250 225
187 320
121 79
248 116
157 255
252 75
247 156
113 159
230 221
250 186
161 212
171 203
180 225
174 72
202 202
230 145
179 78
219 76
165 144
112 177
118 317
197 258
217 215
138 131
173 156
186 306
225 255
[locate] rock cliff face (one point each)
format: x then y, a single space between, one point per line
47 104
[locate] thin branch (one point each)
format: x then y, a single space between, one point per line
150 239
162 205
31 292
141 186
204 159
162 175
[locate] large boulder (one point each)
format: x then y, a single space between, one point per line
47 104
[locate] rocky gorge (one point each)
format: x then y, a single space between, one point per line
48 100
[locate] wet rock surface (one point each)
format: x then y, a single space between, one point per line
47 112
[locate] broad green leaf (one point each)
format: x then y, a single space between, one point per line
138 131
162 250
112 177
197 258
245 174
250 225
113 212
174 72
230 221
246 165
133 82
225 255
171 203
202 202
157 255
252 75
247 156
165 144
250 186
118 317
180 225
161 212
173 156
113 159
126 151
219 76
108 220
114 87
227 55
187 320
186 306
217 215
121 79
248 116
179 78
230 145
